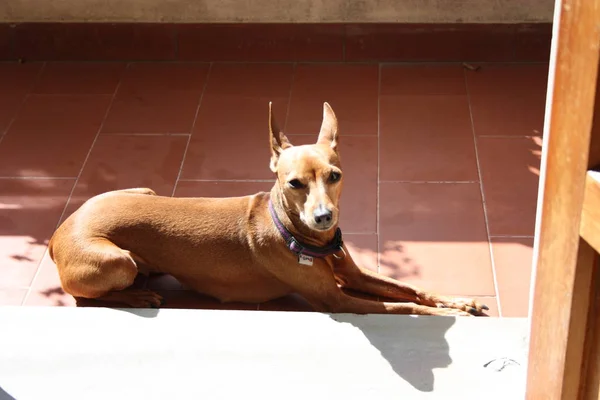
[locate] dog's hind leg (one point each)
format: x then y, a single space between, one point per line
103 271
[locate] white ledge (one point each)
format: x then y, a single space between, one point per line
98 353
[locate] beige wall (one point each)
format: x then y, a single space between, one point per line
404 11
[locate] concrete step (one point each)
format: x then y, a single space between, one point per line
281 11
99 353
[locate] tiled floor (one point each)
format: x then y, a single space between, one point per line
441 162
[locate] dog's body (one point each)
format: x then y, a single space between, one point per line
234 248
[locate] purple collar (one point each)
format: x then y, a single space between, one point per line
298 247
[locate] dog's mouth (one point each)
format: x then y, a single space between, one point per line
322 228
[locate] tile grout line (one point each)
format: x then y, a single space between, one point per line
48 178
511 236
378 195
429 182
110 104
70 94
25 98
309 62
226 180
185 151
147 134
312 134
483 202
510 136
289 102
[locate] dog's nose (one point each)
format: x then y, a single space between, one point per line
322 215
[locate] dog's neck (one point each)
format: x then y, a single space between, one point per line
295 226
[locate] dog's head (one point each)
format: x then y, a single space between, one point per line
309 177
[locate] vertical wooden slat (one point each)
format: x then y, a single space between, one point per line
590 385
562 289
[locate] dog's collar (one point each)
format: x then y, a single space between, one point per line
299 248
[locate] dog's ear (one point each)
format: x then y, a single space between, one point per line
279 141
329 128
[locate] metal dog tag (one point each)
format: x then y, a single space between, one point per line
305 260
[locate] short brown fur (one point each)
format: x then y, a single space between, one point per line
230 248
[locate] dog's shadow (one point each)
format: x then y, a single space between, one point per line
4 395
413 346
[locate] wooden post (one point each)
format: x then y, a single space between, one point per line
564 293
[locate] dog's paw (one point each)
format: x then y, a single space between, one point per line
141 298
452 312
470 306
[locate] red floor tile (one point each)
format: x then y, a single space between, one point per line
122 162
491 302
434 236
16 80
52 135
157 98
426 138
262 81
58 155
29 211
46 289
510 174
363 249
358 204
430 234
512 257
79 78
230 139
73 114
165 77
351 90
422 80
153 112
425 125
12 297
508 99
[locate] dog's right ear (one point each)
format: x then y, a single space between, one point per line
279 141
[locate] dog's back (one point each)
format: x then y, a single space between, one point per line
215 238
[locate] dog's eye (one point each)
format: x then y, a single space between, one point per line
334 177
296 184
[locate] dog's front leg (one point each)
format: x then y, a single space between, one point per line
318 286
367 281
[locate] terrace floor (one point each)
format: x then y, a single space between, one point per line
441 162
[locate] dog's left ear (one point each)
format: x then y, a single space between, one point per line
279 141
329 128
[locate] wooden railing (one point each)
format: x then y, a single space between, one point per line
564 356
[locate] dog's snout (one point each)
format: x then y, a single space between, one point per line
323 215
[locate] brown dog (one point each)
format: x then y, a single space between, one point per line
247 249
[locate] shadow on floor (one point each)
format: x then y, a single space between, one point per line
413 346
4 395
